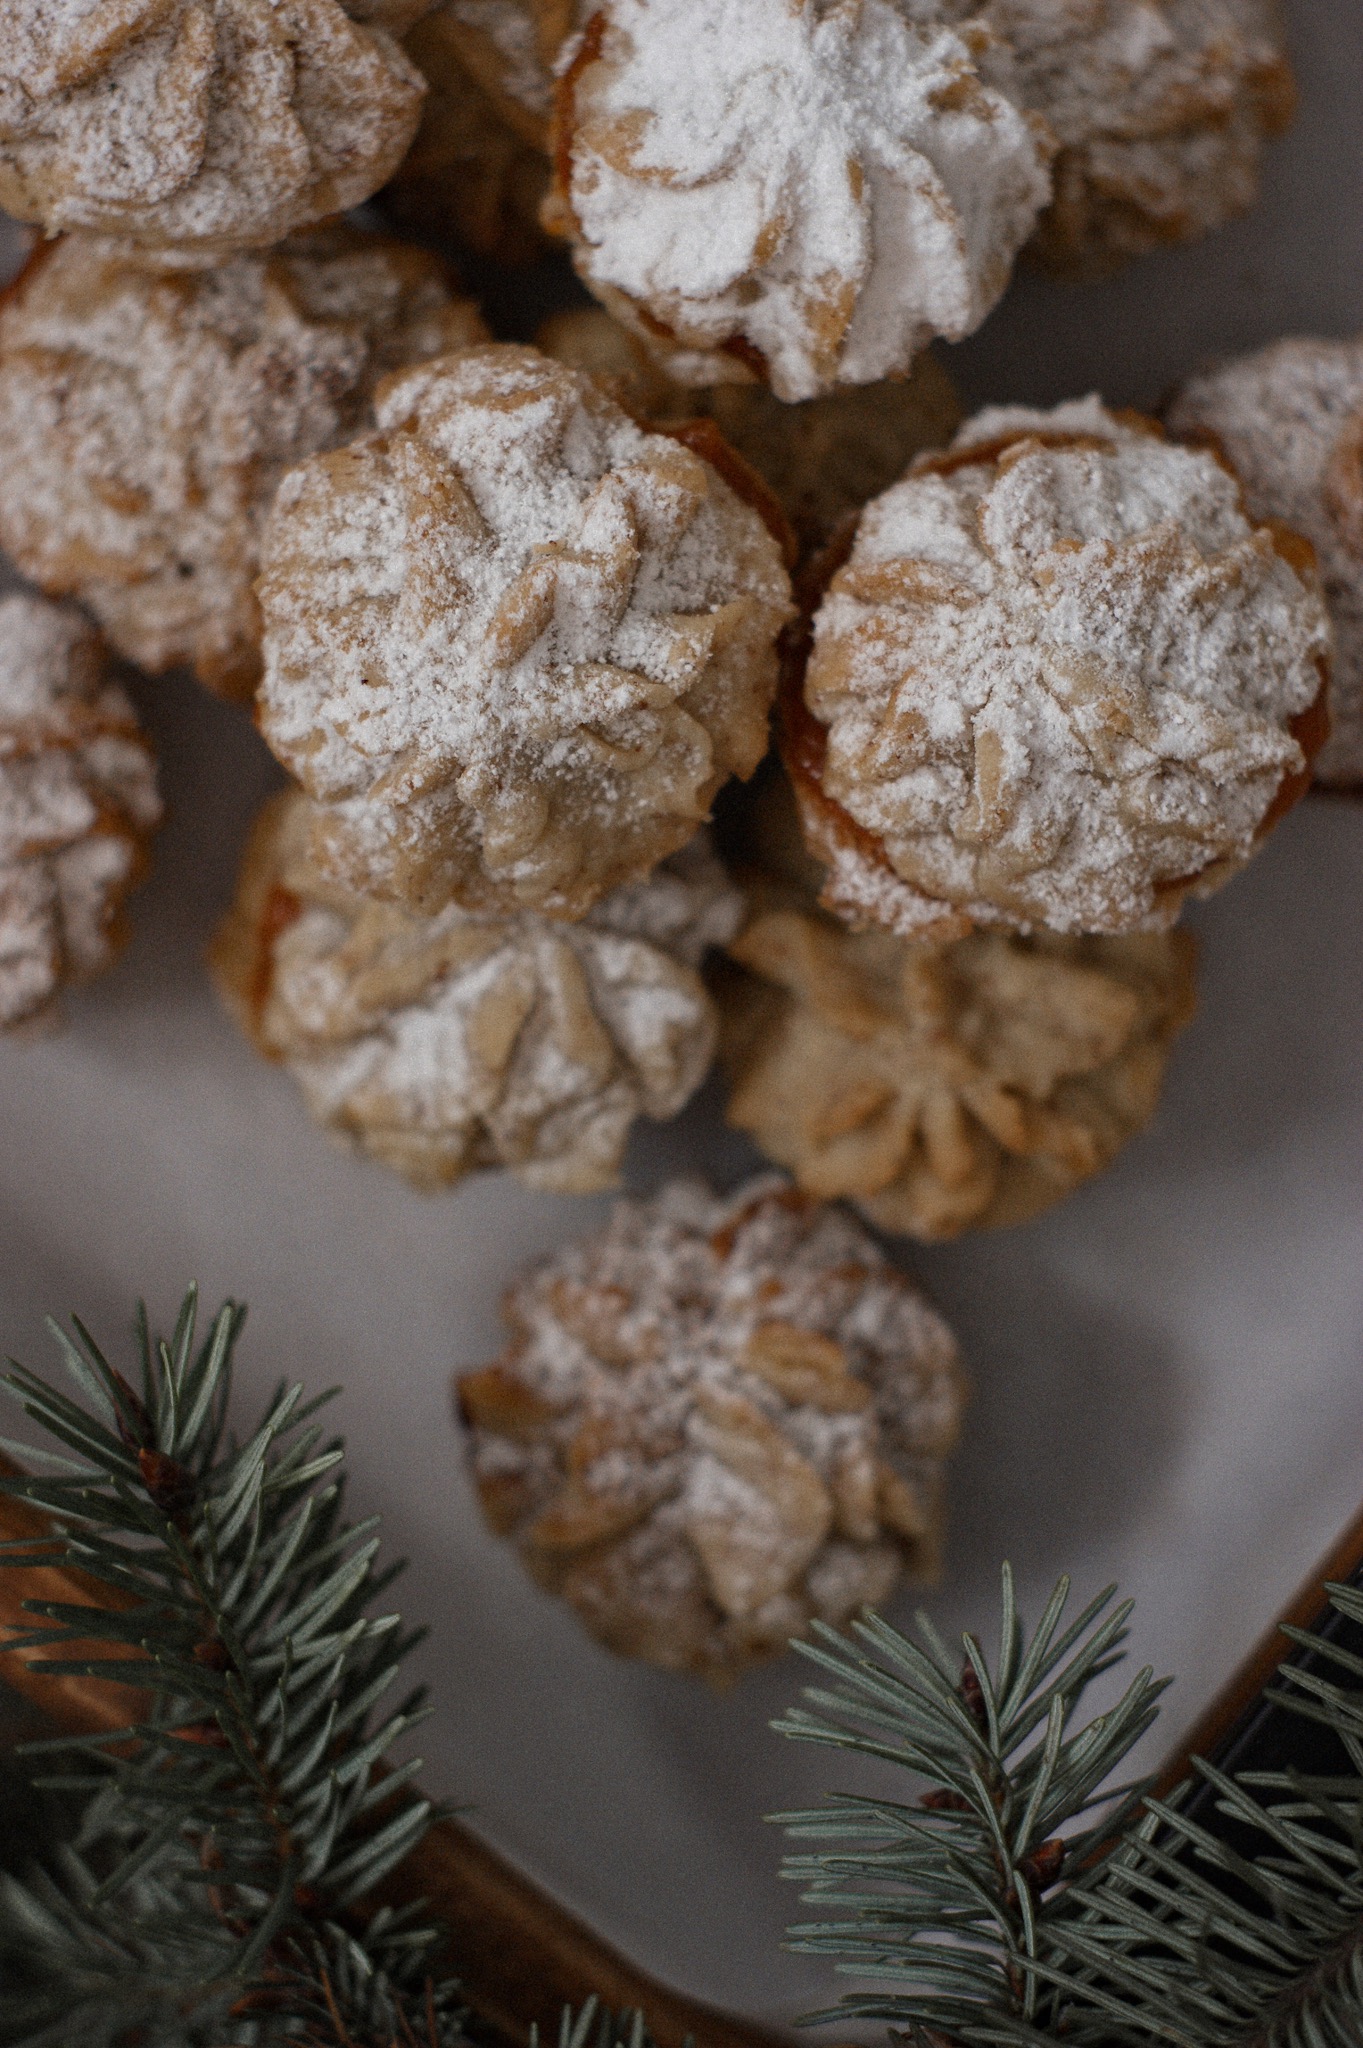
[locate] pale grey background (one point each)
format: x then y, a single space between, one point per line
1168 1371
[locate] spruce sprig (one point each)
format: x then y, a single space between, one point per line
1001 1915
229 1829
1251 1936
950 1898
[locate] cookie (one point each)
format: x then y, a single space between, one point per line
209 125
715 1422
1160 115
796 193
469 173
1062 680
948 1087
1290 418
78 804
442 1044
148 412
514 643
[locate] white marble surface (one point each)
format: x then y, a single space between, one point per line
1168 1371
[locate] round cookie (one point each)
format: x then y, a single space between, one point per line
209 125
798 193
514 643
1160 115
948 1087
717 1421
148 412
1061 680
78 804
1290 418
446 1043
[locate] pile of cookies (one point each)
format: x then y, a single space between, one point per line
977 706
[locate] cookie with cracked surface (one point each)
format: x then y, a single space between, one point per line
209 125
1062 680
446 1043
514 643
1290 418
148 412
823 457
719 1420
469 172
798 193
78 804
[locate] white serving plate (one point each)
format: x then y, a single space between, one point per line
1168 1370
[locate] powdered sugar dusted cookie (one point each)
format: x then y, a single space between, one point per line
441 1044
1160 112
1062 680
1290 417
514 643
806 193
715 1422
148 411
204 124
78 803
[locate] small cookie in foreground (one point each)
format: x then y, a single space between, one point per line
1160 113
469 172
947 1087
715 1422
1061 680
78 804
823 457
789 191
148 411
513 642
442 1044
209 125
1290 418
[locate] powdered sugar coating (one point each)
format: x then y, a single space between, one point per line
1060 680
1160 109
446 1043
148 412
514 643
818 190
77 804
1290 417
212 124
716 1421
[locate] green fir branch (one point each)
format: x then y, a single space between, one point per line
229 1833
1008 1906
1191 1943
948 1900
